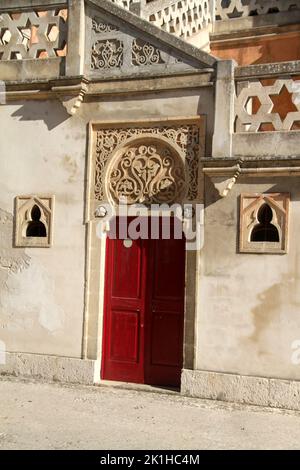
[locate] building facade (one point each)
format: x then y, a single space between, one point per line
182 110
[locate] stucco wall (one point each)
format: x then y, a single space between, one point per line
43 151
41 300
249 303
259 50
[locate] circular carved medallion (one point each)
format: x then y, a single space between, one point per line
148 173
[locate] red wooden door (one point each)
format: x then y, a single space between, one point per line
144 311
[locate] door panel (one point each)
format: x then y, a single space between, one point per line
166 312
168 265
166 347
123 333
126 282
144 311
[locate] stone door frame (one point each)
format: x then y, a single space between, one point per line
96 248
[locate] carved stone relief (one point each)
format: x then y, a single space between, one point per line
114 49
185 137
107 54
144 53
147 172
100 26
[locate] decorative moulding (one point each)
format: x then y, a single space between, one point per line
224 178
185 136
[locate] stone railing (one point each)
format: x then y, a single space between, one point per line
42 32
268 103
36 34
257 110
124 3
183 18
240 8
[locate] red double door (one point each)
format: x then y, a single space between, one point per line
144 311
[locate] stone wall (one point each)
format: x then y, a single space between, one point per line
44 152
248 316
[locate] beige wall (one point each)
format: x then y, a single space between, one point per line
249 303
41 305
248 313
43 151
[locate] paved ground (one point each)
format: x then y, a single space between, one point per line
53 416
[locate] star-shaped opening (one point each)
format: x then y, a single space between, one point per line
283 104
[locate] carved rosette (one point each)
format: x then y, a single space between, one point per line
148 174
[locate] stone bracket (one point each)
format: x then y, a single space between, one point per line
223 179
71 96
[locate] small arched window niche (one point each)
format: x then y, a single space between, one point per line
34 221
264 223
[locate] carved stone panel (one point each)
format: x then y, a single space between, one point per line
147 172
113 49
187 139
107 54
144 53
100 26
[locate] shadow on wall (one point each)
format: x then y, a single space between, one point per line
51 112
267 312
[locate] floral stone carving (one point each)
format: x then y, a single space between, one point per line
150 173
100 26
107 54
144 53
185 136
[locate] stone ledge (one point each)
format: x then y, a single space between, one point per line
7 5
52 368
254 25
243 389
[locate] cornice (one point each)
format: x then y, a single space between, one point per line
224 173
73 90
